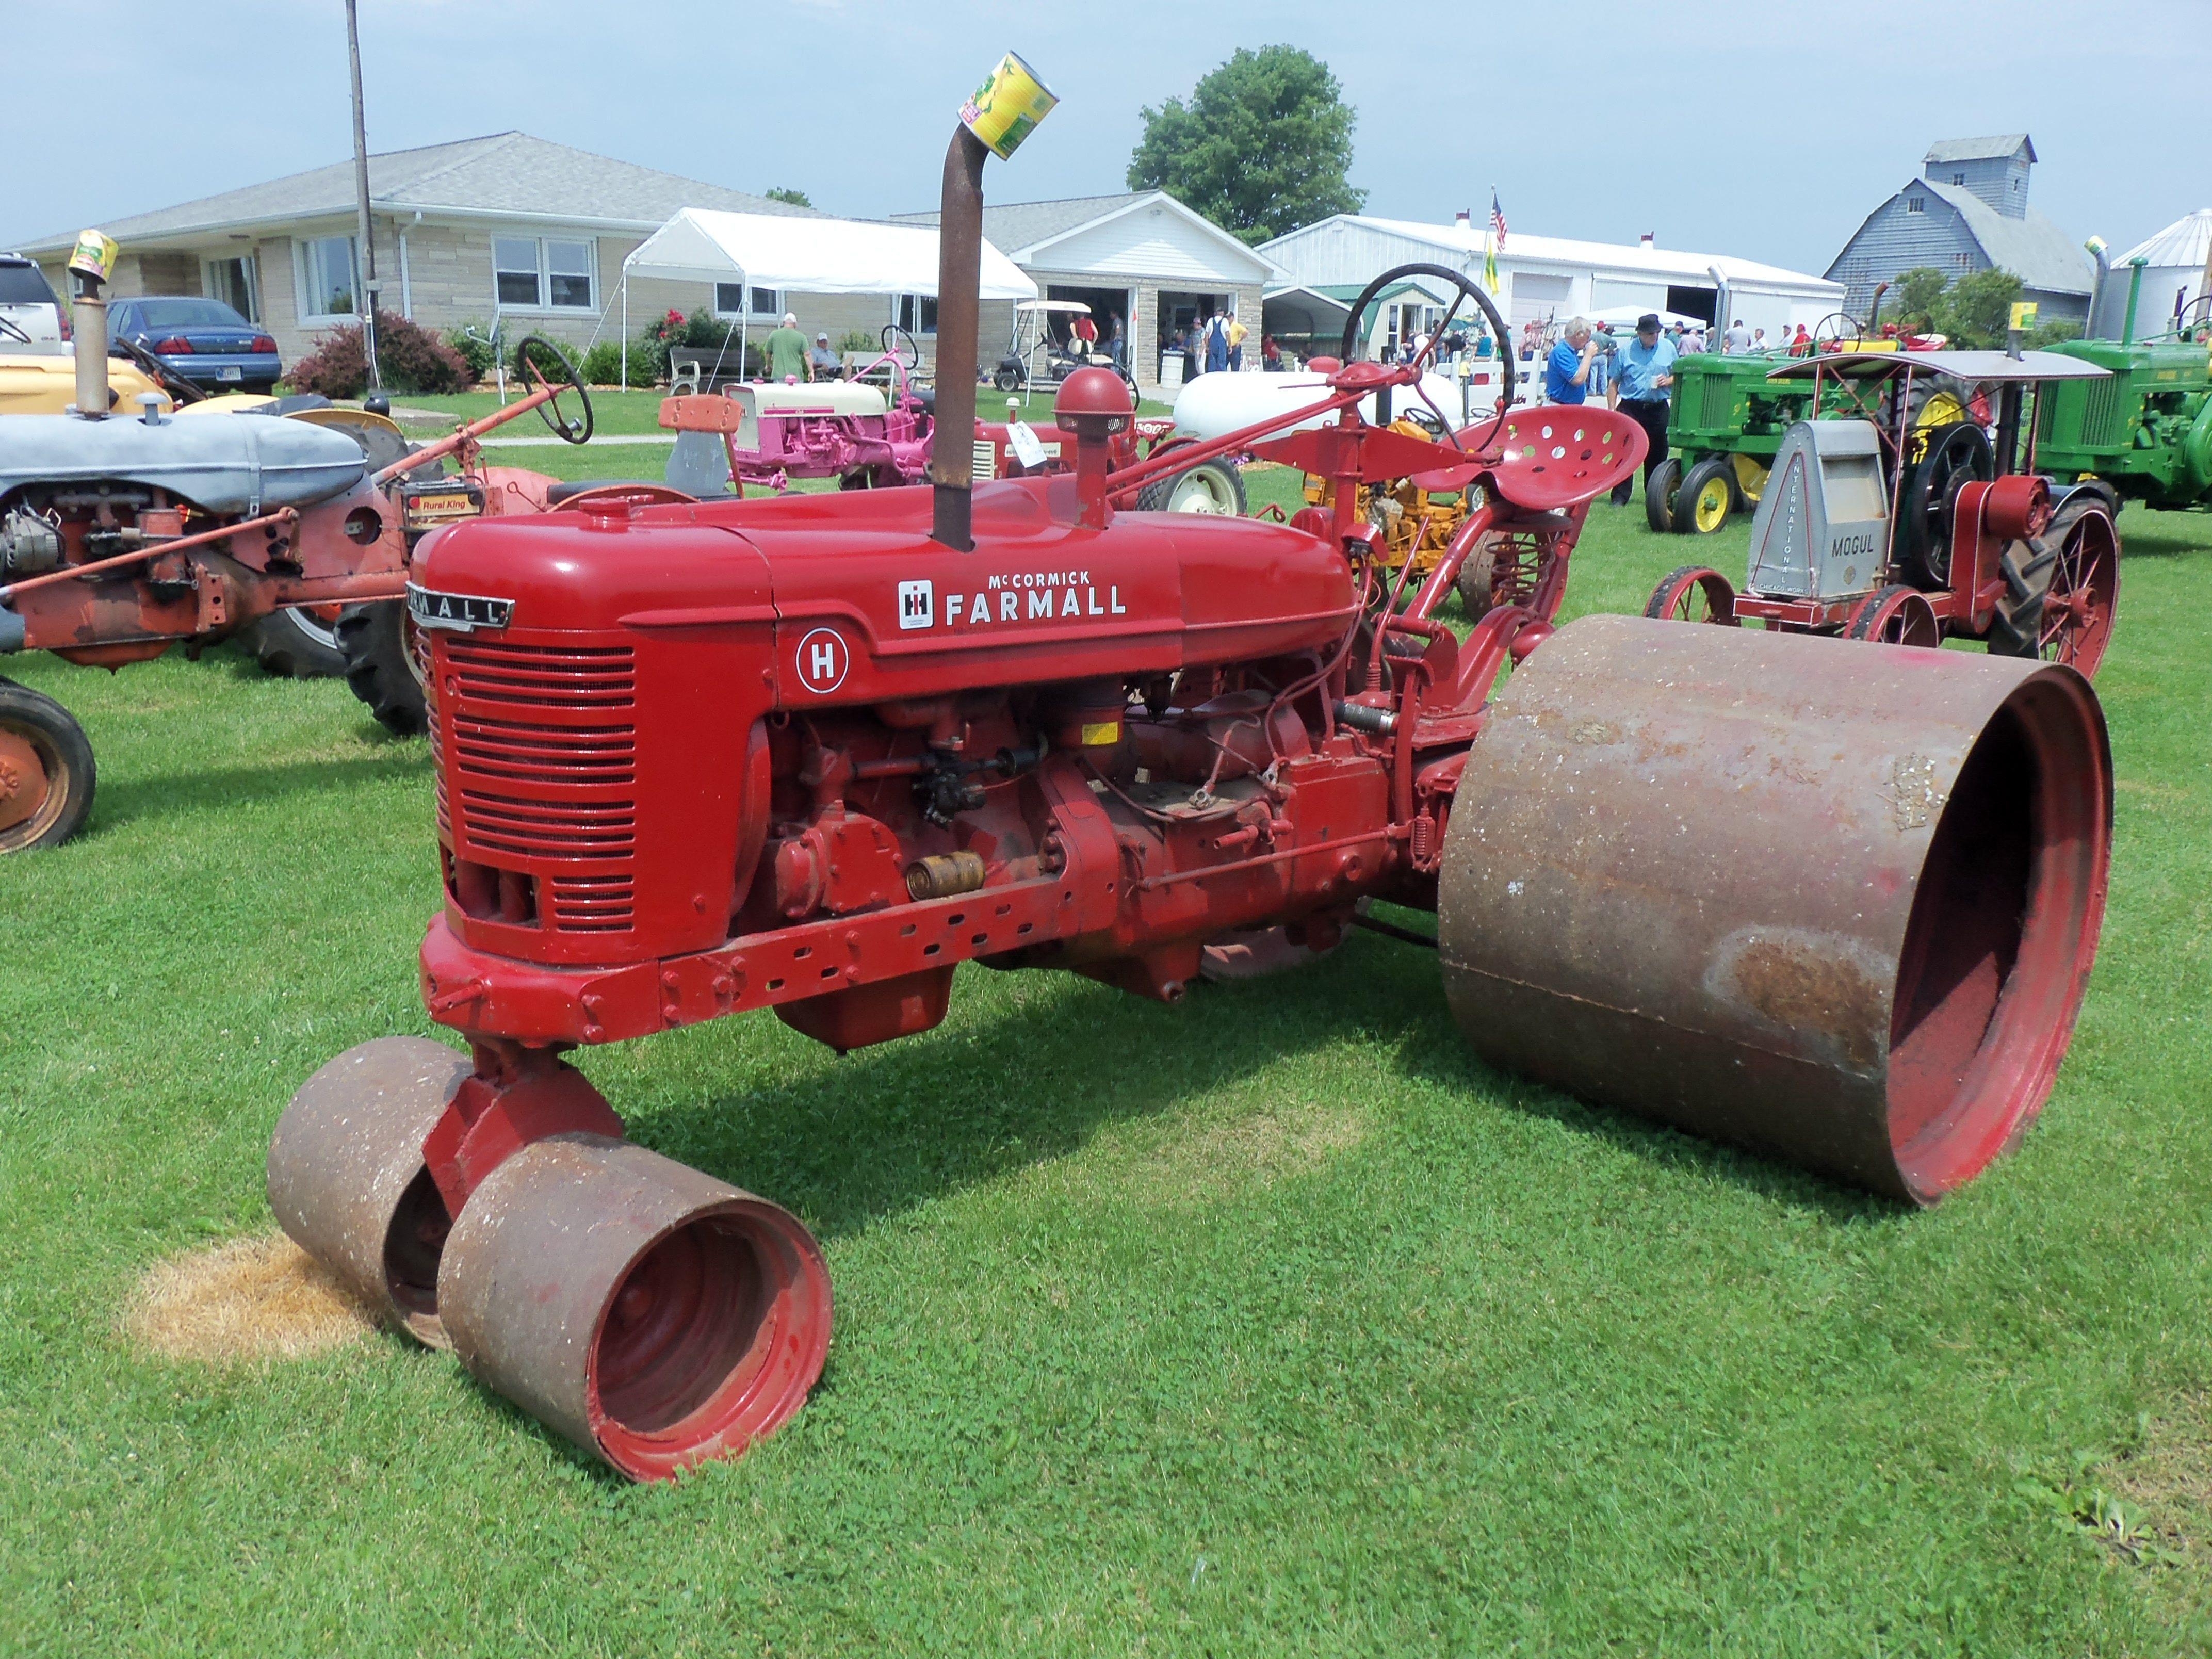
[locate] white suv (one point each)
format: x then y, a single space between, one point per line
29 314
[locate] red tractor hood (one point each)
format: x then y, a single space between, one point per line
866 606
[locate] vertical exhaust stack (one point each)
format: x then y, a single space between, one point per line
1005 111
91 262
959 278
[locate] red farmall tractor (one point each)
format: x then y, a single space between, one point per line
121 536
809 754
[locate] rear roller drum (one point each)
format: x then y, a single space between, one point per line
1793 899
47 772
347 1181
656 1316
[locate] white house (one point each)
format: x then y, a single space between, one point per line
1548 279
1143 257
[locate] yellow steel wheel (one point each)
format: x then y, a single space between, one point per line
1750 478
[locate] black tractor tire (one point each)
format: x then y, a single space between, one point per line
64 753
2016 623
1659 492
373 638
1215 487
1695 483
293 644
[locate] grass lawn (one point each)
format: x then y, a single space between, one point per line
1268 1324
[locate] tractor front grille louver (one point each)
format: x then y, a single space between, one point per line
1718 403
537 764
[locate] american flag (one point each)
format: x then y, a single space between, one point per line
1497 219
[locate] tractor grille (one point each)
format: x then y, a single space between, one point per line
1717 404
541 764
2103 422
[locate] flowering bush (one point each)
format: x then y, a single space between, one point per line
411 358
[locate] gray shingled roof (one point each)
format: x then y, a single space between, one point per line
2000 145
503 173
1018 225
2032 248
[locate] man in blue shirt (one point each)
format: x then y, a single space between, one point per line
1643 371
1567 370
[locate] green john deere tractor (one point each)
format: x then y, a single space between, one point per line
1726 421
2146 432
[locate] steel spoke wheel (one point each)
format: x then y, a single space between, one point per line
1694 593
656 1316
1896 614
47 772
2070 621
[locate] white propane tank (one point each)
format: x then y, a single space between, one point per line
1214 405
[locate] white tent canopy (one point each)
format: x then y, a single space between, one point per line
803 253
809 255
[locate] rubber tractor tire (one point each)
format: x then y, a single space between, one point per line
1214 487
374 639
1660 491
296 644
1707 498
47 809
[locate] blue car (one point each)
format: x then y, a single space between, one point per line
204 340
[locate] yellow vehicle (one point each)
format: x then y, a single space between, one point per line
45 383
1415 523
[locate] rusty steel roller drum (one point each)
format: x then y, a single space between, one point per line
653 1314
1833 902
347 1181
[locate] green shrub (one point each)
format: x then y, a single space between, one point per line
472 349
602 364
858 339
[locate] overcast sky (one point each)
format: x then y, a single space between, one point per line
1718 125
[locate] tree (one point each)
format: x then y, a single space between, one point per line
789 196
1976 308
1913 297
1262 147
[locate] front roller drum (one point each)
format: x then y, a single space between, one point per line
656 1316
348 1182
1832 904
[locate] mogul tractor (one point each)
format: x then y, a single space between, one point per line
1882 520
122 535
809 753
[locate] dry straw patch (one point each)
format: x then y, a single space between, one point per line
1285 1139
252 1298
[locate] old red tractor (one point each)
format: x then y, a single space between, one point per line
809 754
122 536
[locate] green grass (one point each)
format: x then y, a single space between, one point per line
1268 1324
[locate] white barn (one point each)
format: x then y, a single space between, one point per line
1544 279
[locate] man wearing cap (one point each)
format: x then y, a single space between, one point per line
821 363
786 350
1642 375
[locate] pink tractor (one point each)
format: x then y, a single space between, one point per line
765 433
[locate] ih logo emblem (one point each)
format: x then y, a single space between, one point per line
917 604
823 657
